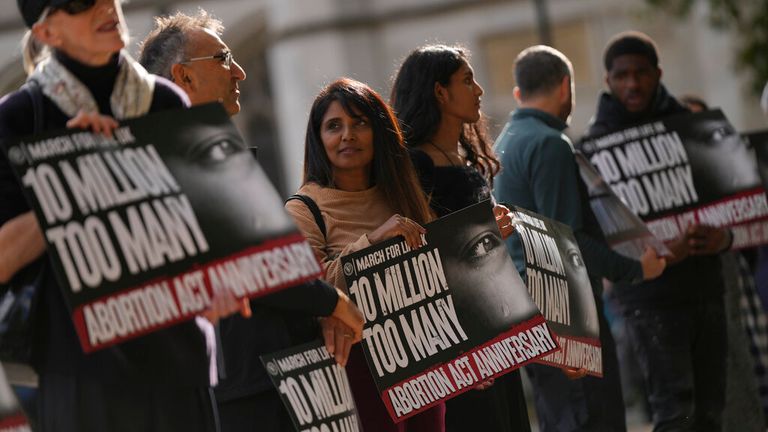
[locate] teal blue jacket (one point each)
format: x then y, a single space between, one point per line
539 173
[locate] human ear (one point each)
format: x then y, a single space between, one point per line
516 94
180 76
45 34
565 88
441 93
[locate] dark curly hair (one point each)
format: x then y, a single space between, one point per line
413 99
630 42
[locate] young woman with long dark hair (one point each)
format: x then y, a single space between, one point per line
437 102
358 173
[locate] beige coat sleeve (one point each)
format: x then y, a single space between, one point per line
330 259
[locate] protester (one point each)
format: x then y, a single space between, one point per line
246 398
539 173
188 50
159 382
437 101
665 318
743 315
357 172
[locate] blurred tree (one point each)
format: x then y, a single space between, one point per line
747 19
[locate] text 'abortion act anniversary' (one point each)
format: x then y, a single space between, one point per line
559 284
445 317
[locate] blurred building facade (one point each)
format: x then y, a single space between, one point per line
291 48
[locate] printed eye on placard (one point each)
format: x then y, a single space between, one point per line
141 236
425 342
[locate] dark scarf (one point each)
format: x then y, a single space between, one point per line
612 116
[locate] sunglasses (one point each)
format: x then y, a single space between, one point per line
75 7
225 57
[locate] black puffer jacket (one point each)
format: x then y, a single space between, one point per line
612 116
697 277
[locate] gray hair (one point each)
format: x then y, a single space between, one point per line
539 69
166 44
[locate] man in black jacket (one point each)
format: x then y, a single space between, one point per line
675 323
189 51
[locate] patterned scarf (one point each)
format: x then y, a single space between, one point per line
131 95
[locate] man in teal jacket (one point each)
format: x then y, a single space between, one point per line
539 173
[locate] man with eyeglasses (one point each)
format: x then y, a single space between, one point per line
189 51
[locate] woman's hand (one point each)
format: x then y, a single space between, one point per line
338 338
94 121
399 226
347 312
503 220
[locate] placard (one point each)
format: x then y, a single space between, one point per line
445 317
144 227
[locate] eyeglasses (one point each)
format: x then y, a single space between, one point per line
225 57
74 7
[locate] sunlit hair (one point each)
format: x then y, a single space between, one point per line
391 170
539 70
32 52
414 101
166 44
630 42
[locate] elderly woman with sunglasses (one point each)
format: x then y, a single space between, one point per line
160 382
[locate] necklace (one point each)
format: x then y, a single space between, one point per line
450 161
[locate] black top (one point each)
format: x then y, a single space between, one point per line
449 188
174 356
696 276
279 321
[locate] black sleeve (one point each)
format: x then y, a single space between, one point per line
315 298
168 96
15 121
604 262
425 170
